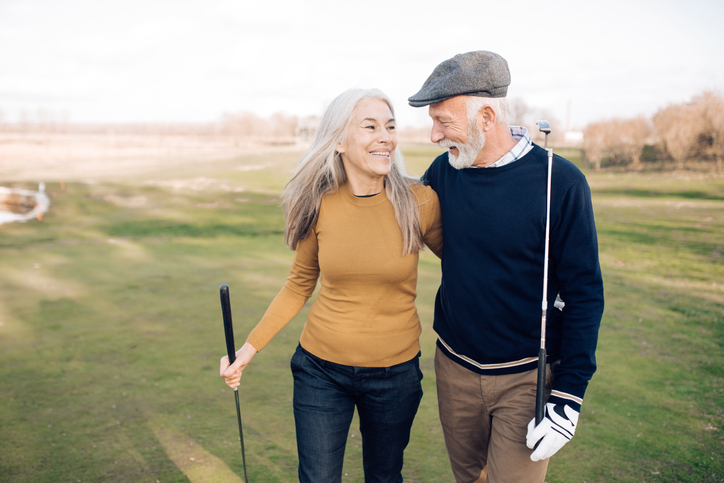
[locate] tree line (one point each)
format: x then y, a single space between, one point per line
686 134
239 128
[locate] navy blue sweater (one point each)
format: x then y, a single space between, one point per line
488 307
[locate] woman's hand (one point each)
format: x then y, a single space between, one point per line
232 373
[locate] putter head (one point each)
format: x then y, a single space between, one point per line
544 126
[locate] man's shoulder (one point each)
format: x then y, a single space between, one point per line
439 164
441 158
567 170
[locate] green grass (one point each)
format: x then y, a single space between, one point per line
110 334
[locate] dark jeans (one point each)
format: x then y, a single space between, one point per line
325 395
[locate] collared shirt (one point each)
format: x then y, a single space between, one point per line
522 148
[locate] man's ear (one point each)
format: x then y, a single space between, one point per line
487 118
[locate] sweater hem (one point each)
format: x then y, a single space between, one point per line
495 369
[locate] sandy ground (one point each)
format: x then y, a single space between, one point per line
37 157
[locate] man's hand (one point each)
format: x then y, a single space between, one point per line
556 429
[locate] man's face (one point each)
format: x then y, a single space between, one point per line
452 130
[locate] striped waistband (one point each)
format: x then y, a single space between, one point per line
498 368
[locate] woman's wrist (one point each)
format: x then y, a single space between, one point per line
247 347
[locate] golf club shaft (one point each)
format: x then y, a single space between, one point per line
541 383
231 352
241 434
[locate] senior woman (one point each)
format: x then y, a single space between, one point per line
357 219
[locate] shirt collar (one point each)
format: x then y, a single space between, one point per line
522 147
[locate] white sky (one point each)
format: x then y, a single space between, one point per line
192 60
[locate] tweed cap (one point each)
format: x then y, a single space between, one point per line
480 73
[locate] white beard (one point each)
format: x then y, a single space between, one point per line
466 152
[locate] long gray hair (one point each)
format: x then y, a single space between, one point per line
320 171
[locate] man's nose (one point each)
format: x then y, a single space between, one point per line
436 134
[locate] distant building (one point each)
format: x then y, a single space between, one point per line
573 137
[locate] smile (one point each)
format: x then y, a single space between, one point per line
381 154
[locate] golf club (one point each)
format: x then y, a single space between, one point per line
540 401
231 352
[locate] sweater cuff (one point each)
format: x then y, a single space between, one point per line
560 397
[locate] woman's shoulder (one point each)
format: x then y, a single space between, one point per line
334 196
423 192
428 206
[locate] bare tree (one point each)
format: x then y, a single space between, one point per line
611 131
678 127
712 107
283 126
594 143
245 125
626 139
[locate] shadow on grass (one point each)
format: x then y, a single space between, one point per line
166 228
659 193
680 238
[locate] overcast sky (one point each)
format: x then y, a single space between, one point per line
192 60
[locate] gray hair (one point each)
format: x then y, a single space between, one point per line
499 105
320 171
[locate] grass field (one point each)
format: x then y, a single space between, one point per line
110 333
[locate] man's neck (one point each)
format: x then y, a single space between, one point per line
498 142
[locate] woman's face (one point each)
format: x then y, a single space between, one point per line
371 141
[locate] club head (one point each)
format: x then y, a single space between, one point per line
544 126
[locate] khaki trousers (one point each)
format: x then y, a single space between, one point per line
485 420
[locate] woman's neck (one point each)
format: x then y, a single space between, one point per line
366 187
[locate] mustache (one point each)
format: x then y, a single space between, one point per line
446 144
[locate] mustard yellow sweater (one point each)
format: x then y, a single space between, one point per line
364 314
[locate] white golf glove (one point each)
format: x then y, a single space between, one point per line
556 429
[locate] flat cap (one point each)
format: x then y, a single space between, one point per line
480 73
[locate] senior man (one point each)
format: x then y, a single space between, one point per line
492 188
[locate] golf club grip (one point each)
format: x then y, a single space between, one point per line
228 326
540 395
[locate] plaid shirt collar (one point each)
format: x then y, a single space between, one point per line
522 148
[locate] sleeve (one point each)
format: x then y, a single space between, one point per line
575 253
431 222
294 294
426 177
430 178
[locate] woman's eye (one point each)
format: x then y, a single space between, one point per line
370 127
